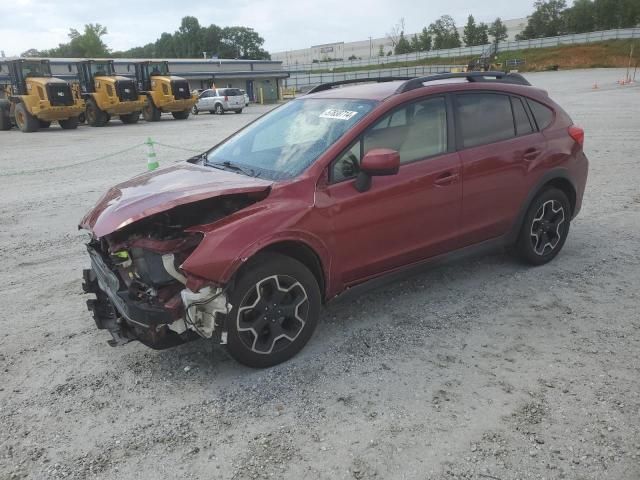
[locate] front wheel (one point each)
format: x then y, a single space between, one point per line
181 115
545 227
130 118
150 112
26 122
94 116
275 309
69 123
219 110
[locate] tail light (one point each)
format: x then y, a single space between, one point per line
226 98
577 134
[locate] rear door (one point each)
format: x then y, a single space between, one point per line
498 145
235 98
405 217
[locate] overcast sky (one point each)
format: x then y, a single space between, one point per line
285 25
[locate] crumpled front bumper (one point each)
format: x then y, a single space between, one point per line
125 318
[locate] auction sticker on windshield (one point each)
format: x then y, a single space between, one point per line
337 114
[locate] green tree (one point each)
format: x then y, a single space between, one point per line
403 46
580 17
415 44
445 34
425 40
242 42
546 20
469 32
381 50
498 31
89 43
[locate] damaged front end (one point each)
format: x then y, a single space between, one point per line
141 291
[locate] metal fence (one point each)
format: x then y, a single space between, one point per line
304 81
619 34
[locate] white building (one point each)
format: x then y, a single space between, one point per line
364 48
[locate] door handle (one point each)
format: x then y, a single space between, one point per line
446 178
531 154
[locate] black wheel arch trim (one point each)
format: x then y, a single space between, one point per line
550 176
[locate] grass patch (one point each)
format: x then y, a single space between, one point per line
607 54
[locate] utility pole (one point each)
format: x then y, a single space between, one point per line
370 46
204 55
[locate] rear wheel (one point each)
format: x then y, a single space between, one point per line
238 111
181 115
5 117
150 112
26 122
95 117
545 227
130 118
276 305
69 123
219 110
195 110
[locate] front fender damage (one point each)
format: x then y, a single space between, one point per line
141 290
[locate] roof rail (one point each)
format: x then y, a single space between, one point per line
330 85
499 77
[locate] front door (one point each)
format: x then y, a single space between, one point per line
250 90
402 218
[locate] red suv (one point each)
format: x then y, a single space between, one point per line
246 241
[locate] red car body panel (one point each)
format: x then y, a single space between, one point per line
428 208
158 191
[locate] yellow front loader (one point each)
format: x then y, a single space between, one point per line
107 94
165 93
34 99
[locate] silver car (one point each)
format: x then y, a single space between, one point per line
220 100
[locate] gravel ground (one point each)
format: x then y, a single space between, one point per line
482 369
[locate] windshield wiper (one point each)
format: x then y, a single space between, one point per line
232 166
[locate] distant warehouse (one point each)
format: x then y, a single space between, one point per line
249 75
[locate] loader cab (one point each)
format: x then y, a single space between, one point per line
21 69
146 70
90 70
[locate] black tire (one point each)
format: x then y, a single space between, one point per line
5 116
130 118
94 116
292 288
545 227
26 122
44 124
181 115
69 123
82 118
150 112
195 110
219 110
238 111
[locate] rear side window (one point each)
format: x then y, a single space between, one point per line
231 92
523 125
542 114
484 118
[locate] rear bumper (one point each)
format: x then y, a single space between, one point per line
178 105
125 318
125 108
52 113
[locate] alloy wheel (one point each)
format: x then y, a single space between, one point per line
546 227
272 314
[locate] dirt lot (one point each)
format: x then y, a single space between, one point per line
483 369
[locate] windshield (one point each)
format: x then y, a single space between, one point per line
158 68
35 69
101 69
287 140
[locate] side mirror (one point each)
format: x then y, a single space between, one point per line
377 162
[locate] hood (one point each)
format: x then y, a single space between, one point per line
161 190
